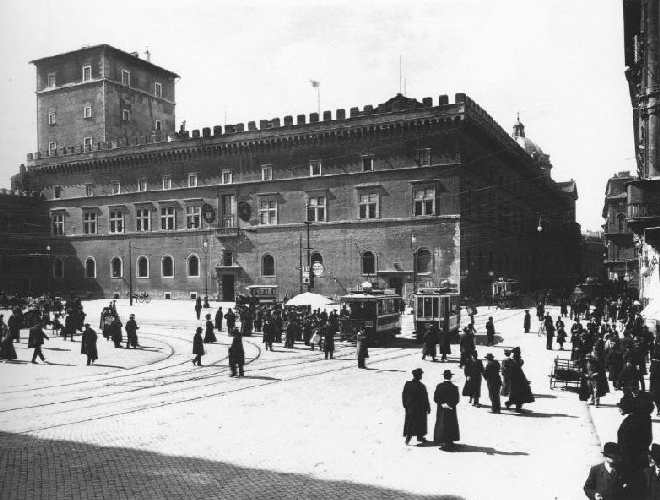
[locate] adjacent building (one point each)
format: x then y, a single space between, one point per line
593 257
641 19
405 193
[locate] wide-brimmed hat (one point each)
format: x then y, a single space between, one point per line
611 450
417 372
447 374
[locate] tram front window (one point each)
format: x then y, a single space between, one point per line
362 310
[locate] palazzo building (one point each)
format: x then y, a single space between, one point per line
406 193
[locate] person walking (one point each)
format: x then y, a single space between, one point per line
429 343
521 391
36 340
115 332
218 319
198 307
88 344
635 435
605 480
549 331
446 430
362 347
198 347
443 343
561 336
209 336
328 341
527 322
473 371
415 400
493 380
490 331
230 319
7 350
507 364
267 335
131 332
14 325
467 345
236 354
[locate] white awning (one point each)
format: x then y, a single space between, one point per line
651 313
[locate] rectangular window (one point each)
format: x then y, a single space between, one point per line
425 201
266 173
89 190
314 168
87 111
51 118
126 77
167 219
192 180
158 126
116 187
267 212
369 206
142 219
89 222
51 79
226 177
316 209
52 148
57 192
88 143
116 221
193 217
424 157
86 73
158 89
58 224
125 115
367 163
167 183
142 185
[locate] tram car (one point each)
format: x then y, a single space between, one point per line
263 294
437 306
506 293
378 311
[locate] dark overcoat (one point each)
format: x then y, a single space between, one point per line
131 331
328 338
230 318
362 346
527 322
88 344
506 376
634 437
521 392
601 481
473 370
446 421
429 344
209 336
218 319
115 331
236 351
198 344
416 403
443 342
36 337
492 376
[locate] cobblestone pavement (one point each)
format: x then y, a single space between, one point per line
296 426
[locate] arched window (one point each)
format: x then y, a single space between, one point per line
368 263
193 266
142 267
116 267
621 223
423 261
90 268
316 257
167 267
58 268
267 265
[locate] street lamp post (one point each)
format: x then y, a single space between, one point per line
50 269
205 244
413 240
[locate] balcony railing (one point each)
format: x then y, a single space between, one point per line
638 210
228 227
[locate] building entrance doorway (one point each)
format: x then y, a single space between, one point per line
396 284
228 288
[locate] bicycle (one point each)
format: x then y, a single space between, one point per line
142 297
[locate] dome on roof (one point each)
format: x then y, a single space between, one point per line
530 147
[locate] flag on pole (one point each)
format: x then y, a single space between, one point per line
315 84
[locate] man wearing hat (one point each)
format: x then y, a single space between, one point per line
491 374
527 322
605 480
416 403
446 429
131 332
88 344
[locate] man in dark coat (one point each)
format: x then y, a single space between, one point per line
416 403
605 480
473 371
115 331
236 354
635 435
230 318
198 307
362 347
209 336
198 347
493 380
520 392
429 343
527 322
328 335
131 332
549 331
218 319
652 475
88 344
443 343
446 429
466 345
268 335
36 340
490 331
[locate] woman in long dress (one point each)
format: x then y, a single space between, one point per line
521 391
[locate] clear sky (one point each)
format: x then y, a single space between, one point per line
558 62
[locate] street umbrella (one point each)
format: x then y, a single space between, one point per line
314 300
